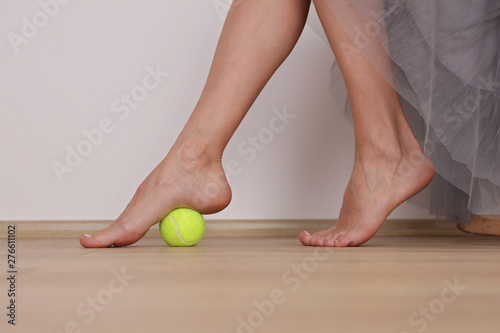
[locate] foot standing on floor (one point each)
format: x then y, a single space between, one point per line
257 37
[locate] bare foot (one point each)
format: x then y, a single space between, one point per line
381 180
482 225
187 177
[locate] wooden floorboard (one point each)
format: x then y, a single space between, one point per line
394 284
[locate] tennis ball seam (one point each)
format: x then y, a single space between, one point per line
177 231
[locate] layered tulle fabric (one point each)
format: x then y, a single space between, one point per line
442 56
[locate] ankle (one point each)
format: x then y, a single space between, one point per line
389 137
383 147
195 151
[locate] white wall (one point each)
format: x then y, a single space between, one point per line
67 74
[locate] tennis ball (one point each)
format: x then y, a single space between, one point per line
182 227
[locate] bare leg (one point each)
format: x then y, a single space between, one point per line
389 166
257 37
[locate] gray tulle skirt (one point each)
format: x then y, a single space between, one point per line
446 68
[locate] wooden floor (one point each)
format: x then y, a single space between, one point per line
232 284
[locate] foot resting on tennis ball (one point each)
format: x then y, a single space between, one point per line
182 227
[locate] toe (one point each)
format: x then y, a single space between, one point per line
330 242
118 234
305 238
90 241
103 238
343 240
332 238
319 242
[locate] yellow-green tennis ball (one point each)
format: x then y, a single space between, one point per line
182 227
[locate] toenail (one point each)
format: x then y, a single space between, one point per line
87 235
307 233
